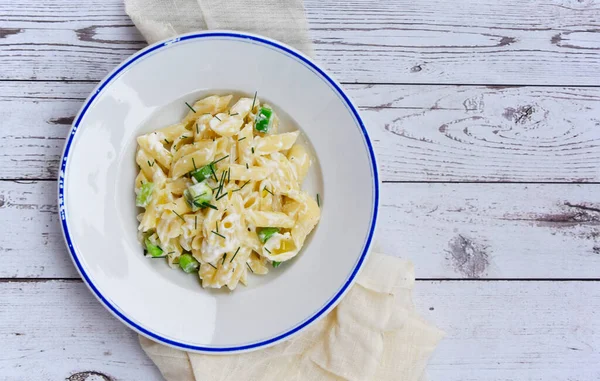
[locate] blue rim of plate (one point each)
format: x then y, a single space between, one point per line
236 36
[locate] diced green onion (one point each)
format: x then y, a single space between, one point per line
265 233
188 263
202 173
197 195
145 196
264 120
276 264
153 249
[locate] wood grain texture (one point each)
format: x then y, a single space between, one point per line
495 331
513 330
464 231
55 329
420 133
398 41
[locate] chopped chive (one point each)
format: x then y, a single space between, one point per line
239 140
265 188
166 141
318 201
210 205
252 149
183 137
245 184
234 114
164 256
221 196
238 249
247 264
213 172
224 256
223 158
217 118
190 107
229 175
199 196
182 219
220 235
220 184
247 166
276 264
150 164
195 222
268 251
253 101
213 266
197 129
194 162
170 252
217 226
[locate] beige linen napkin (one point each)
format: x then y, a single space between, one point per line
281 20
374 334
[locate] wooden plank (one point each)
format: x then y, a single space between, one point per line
513 330
449 230
397 41
54 330
495 331
420 133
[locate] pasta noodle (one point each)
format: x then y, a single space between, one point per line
221 192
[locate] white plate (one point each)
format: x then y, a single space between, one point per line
98 214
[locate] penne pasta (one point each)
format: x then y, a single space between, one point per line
221 192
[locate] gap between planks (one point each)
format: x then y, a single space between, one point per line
374 83
79 280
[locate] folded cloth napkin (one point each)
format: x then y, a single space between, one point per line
281 20
374 334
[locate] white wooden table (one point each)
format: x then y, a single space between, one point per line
485 116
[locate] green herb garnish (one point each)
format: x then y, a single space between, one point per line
188 263
247 264
276 264
213 266
318 201
178 215
190 107
264 120
238 249
220 235
265 188
265 233
209 205
253 101
224 256
223 158
153 250
213 171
